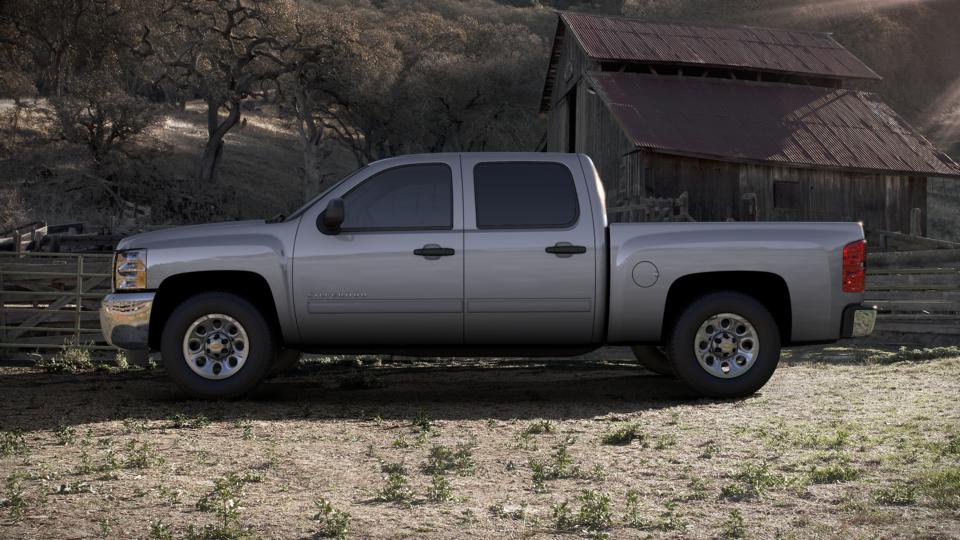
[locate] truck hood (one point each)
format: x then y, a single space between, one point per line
192 234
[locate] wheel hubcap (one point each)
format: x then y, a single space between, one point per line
726 345
215 346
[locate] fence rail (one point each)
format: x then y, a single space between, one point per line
47 299
917 294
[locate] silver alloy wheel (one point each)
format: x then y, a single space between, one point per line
726 345
215 346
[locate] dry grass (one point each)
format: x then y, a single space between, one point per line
833 447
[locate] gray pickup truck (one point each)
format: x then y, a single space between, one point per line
479 254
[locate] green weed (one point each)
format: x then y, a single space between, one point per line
734 527
442 459
12 443
396 487
540 427
593 518
72 358
333 523
439 490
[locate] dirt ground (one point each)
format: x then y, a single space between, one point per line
833 447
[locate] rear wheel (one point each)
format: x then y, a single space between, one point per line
725 345
217 345
652 358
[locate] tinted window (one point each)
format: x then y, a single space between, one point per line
524 196
411 197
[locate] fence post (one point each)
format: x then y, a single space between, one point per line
76 326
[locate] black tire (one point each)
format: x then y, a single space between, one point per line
682 341
262 347
286 359
652 358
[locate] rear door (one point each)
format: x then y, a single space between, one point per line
529 267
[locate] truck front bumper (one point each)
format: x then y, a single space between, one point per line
858 321
125 320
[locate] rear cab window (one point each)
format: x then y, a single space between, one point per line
525 195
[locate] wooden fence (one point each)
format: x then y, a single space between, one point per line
651 209
47 299
918 295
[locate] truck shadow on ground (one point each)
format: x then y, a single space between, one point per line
446 390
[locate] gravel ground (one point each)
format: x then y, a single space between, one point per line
836 445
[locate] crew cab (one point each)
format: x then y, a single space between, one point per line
472 254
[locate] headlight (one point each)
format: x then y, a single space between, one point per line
130 270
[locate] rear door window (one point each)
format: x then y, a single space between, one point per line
528 195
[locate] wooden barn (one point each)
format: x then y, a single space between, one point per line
750 123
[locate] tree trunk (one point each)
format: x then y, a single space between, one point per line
216 131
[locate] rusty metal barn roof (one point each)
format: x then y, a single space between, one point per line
765 49
783 124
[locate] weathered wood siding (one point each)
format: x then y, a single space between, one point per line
557 127
572 66
599 136
717 191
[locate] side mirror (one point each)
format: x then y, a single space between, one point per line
331 218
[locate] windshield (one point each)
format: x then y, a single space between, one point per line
299 211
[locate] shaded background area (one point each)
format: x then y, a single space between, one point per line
331 84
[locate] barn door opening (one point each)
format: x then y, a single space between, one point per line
572 120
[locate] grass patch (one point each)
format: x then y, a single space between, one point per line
897 495
560 465
753 482
838 470
943 488
623 434
182 421
540 427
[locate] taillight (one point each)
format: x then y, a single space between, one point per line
854 266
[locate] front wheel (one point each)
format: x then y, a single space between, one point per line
217 345
725 345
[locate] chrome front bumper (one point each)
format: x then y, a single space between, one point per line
125 319
858 321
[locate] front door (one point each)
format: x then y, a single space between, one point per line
530 253
393 274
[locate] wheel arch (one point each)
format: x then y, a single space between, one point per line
174 289
768 288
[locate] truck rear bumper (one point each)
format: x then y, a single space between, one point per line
858 321
125 320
